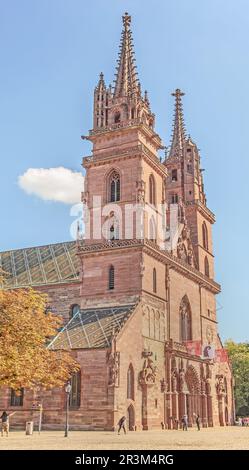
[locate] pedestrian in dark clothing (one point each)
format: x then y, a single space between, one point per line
5 422
185 423
198 422
121 424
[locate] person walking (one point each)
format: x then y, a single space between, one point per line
121 424
185 423
5 422
198 422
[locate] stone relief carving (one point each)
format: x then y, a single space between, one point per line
174 380
181 380
209 334
151 302
140 186
113 362
148 374
164 385
220 386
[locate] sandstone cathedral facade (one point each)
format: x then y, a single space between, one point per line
138 302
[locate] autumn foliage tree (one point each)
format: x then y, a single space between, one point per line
25 332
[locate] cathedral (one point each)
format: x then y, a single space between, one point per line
137 292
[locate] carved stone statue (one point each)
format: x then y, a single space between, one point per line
148 373
181 250
113 364
181 379
220 387
174 381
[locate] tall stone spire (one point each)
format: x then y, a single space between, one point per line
178 134
126 82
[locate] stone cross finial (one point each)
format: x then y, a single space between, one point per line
126 19
178 93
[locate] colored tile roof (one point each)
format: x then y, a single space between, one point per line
92 328
43 265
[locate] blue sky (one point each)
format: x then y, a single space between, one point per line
51 54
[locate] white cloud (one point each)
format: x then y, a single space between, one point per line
53 184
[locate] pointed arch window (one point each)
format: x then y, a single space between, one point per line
174 175
130 383
74 397
206 266
204 236
114 187
154 280
152 190
111 278
185 320
117 117
174 198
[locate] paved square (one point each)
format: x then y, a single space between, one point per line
211 438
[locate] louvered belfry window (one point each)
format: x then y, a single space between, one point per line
111 277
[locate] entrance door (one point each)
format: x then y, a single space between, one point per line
131 418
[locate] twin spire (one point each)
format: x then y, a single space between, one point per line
126 82
178 132
127 85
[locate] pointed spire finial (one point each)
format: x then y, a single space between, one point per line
126 19
126 82
179 135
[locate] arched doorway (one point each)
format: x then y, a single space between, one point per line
193 399
131 418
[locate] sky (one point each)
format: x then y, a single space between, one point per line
51 55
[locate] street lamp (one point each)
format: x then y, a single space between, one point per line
67 390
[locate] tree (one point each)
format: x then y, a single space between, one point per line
25 332
239 356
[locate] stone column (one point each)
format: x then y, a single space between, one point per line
145 407
168 410
175 408
221 409
182 405
189 399
204 410
210 410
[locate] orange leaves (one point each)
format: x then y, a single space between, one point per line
25 329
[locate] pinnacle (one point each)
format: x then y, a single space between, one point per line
179 132
126 82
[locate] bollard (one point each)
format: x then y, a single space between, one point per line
29 428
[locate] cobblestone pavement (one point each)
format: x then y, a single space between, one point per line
211 438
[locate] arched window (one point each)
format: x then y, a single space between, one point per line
130 383
152 190
74 397
204 236
16 397
206 266
114 187
152 229
154 280
185 320
111 277
74 310
117 117
174 199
